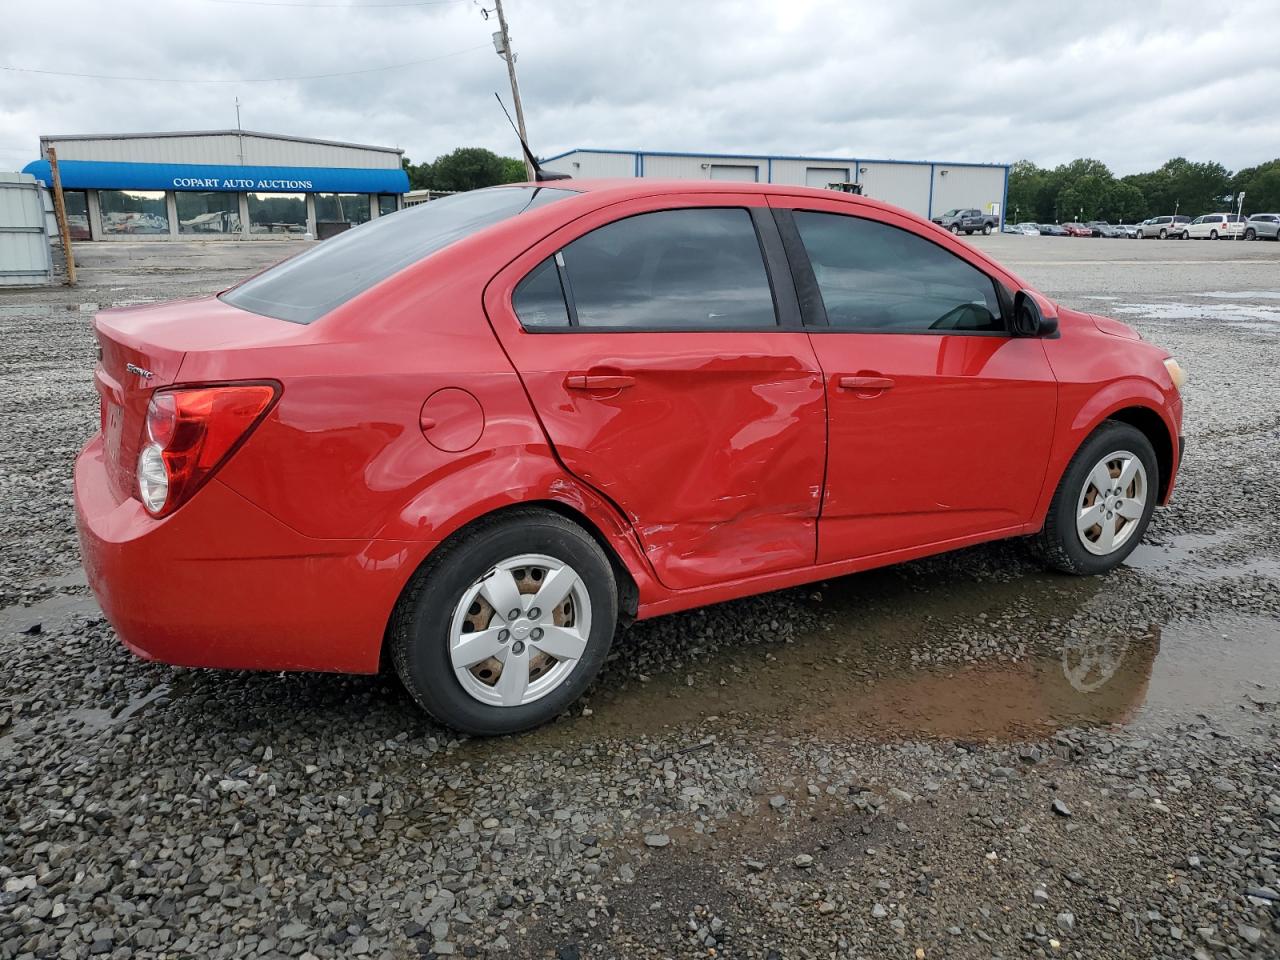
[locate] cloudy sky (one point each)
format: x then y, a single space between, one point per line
1131 84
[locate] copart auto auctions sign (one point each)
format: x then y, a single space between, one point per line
220 183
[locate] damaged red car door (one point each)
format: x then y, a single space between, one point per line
660 342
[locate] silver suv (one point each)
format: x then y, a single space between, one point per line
1163 227
1263 226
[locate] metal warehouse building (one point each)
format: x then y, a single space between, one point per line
219 184
924 187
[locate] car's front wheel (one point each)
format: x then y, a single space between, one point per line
506 625
1213 234
1103 503
955 230
1163 234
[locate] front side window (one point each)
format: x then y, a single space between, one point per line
308 286
876 278
693 269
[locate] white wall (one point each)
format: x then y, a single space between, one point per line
904 185
223 149
589 165
966 187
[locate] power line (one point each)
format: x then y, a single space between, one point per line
309 76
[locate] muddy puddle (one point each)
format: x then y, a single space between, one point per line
894 658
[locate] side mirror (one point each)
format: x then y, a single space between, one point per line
1028 321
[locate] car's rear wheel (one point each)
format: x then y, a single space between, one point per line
1251 234
1103 503
1163 234
506 625
986 229
1213 234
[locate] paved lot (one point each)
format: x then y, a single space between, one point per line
963 756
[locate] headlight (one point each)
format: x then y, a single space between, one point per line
1176 373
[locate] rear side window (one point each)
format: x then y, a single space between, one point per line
876 278
539 298
693 269
306 287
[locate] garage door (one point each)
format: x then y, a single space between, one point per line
729 171
822 176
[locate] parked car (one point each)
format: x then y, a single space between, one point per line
1164 227
1101 228
469 439
967 220
1077 230
1026 229
1262 226
1129 230
1215 226
1052 230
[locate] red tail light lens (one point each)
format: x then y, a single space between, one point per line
190 433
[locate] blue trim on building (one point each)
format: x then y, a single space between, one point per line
769 174
765 156
933 173
105 175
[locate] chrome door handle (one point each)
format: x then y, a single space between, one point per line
598 381
865 383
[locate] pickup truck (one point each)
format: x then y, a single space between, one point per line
967 220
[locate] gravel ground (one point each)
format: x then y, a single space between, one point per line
959 757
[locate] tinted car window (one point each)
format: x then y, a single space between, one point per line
874 277
308 286
695 269
539 298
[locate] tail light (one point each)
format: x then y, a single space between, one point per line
190 433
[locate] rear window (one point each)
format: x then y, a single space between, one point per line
308 286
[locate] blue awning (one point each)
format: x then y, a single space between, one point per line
110 175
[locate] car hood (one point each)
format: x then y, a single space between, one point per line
1114 328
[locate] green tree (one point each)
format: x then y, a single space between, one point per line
1196 188
1124 203
469 168
1261 185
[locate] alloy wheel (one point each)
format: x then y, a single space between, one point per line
1112 503
518 632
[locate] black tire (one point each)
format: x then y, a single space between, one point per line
986 229
1251 234
1213 234
419 633
1059 541
1163 233
955 230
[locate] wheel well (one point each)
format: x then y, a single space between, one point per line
628 592
1149 422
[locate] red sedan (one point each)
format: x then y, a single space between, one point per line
1077 230
473 437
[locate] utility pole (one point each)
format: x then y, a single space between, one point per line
502 41
60 212
239 132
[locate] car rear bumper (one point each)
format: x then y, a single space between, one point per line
221 583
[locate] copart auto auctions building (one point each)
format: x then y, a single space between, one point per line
219 184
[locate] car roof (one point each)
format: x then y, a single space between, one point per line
624 188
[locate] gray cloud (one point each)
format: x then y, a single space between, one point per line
986 80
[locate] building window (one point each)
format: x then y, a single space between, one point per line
208 212
730 171
127 212
77 204
278 213
351 208
386 204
